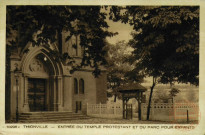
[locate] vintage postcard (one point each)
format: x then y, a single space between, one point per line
102 67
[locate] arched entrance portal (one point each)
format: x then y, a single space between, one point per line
43 82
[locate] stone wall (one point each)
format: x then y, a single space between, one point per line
89 95
177 112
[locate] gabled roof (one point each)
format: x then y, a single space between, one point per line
131 87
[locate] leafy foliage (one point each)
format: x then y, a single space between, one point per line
162 98
166 42
118 67
173 92
46 23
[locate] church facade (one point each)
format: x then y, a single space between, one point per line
39 82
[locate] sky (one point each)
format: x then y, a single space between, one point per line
123 30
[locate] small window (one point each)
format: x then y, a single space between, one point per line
75 86
78 106
81 86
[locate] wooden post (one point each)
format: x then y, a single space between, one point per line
123 106
139 105
126 108
174 109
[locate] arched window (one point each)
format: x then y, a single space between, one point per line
75 86
75 45
81 86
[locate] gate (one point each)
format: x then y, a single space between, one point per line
127 111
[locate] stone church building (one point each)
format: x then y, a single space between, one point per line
45 84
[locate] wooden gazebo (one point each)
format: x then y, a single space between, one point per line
133 90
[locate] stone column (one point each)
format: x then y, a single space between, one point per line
25 93
16 101
60 93
14 63
51 94
55 94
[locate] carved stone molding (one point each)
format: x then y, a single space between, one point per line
67 70
37 66
15 64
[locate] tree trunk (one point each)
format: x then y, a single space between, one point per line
115 91
115 97
150 97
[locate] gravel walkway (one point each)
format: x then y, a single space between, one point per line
109 121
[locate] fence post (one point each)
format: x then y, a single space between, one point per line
187 116
100 108
87 109
174 109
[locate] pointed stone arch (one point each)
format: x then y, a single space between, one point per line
55 67
39 63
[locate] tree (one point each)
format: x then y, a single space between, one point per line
165 42
161 97
48 22
173 92
118 66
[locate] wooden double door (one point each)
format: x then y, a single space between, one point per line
37 94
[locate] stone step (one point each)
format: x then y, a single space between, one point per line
50 116
56 117
47 113
50 120
73 114
47 120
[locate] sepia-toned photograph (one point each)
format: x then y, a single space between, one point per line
102 64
